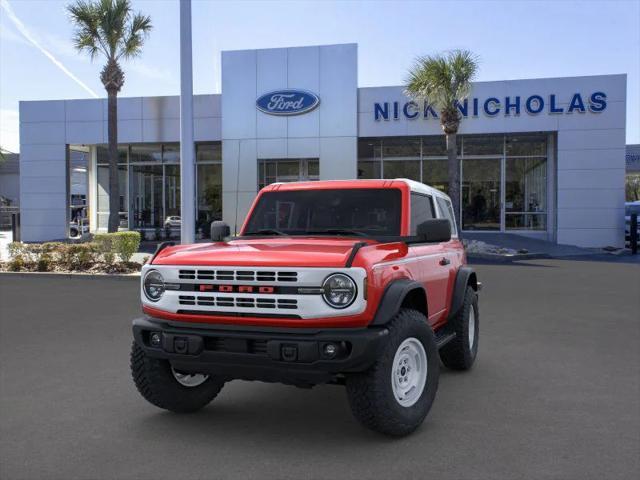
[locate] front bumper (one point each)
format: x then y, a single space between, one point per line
294 356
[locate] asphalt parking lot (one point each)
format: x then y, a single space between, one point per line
555 393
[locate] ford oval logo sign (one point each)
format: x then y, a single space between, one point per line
287 102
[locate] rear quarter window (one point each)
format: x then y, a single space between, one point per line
421 210
447 212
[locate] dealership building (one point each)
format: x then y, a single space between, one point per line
539 157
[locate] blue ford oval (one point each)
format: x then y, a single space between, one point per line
287 102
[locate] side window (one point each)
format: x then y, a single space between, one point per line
447 211
421 210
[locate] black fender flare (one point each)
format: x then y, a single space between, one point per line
392 298
464 277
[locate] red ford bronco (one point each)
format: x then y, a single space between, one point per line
360 283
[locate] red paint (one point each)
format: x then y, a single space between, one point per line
383 263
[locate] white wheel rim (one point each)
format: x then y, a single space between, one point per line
189 379
472 327
409 372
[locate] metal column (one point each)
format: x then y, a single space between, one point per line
187 147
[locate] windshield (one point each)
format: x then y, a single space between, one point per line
359 212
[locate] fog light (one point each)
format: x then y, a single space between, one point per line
330 349
155 339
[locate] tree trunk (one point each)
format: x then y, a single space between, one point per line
114 184
454 177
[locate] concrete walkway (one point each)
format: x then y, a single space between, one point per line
532 245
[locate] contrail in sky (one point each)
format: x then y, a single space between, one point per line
25 32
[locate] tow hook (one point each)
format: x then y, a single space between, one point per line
289 353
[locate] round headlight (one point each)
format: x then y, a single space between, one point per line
339 290
153 285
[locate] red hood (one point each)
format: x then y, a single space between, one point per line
272 252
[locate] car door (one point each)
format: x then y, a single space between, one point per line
432 261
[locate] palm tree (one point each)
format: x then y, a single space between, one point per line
444 81
112 29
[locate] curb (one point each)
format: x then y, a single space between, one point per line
79 275
500 258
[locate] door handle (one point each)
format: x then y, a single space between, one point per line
444 261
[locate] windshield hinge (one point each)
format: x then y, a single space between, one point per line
354 251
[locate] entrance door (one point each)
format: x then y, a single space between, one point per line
481 194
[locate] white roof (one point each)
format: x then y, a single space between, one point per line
422 188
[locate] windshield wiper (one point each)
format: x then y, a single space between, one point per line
337 231
266 231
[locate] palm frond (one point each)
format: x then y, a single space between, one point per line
138 29
443 79
108 27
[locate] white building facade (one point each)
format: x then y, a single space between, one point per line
541 157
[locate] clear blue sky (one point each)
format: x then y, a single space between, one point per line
526 39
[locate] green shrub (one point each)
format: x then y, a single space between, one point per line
16 263
105 244
16 249
78 256
44 263
126 244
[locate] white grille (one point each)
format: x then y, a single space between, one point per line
290 303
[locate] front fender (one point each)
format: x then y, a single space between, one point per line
392 299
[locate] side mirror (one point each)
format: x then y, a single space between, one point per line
219 231
435 230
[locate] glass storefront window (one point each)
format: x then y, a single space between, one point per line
368 169
526 221
171 153
151 173
103 195
172 191
209 152
526 145
401 148
287 170
102 154
482 145
525 193
436 174
146 153
505 190
402 169
481 194
369 149
146 196
209 201
434 146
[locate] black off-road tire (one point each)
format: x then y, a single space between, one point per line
156 383
371 394
458 354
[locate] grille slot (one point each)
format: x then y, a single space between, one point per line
287 303
244 275
238 275
187 274
206 274
239 302
207 301
187 300
225 275
225 301
287 276
266 276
